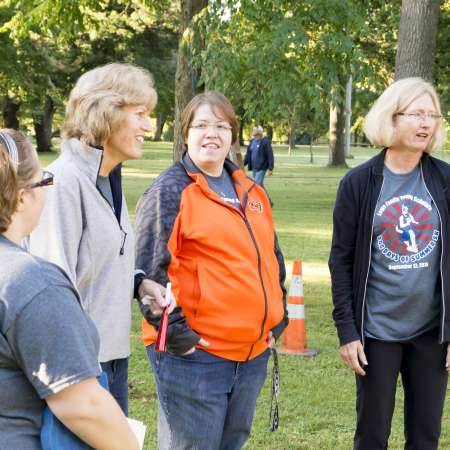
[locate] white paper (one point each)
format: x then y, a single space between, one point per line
139 430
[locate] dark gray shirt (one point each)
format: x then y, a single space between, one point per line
223 186
104 185
47 342
403 289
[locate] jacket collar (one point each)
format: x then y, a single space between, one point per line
86 158
235 172
378 161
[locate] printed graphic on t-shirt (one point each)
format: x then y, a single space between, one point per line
234 201
408 235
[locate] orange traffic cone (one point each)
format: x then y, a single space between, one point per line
294 336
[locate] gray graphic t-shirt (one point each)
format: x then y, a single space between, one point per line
47 343
403 288
223 186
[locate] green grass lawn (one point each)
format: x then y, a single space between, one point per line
317 395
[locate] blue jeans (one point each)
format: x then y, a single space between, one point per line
117 372
205 402
258 176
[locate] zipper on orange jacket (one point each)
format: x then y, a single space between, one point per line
241 212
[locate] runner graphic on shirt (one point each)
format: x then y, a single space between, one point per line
407 233
408 236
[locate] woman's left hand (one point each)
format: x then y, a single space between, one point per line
447 359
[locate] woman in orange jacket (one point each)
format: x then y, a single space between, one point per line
208 229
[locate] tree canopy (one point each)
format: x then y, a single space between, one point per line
281 62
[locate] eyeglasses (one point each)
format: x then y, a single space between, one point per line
219 127
420 116
47 180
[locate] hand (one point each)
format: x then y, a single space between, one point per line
447 359
269 173
354 356
152 294
271 340
200 342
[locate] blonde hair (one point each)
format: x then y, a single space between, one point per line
379 124
94 109
15 175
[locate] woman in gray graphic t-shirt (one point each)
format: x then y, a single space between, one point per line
390 271
48 345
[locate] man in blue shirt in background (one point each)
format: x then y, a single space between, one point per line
259 156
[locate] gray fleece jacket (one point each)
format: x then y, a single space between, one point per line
79 231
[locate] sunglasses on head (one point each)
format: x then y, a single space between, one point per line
47 180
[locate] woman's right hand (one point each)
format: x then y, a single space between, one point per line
354 357
90 412
202 342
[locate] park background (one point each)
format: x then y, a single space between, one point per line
288 65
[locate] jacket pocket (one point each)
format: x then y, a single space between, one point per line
198 291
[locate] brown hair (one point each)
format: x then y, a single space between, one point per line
95 105
220 105
13 176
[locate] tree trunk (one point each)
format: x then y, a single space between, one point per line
43 127
241 133
416 46
160 121
337 145
9 113
270 133
348 117
184 89
235 154
291 141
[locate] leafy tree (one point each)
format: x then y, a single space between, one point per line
81 35
443 57
283 61
28 66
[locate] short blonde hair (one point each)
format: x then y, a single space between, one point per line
379 124
94 109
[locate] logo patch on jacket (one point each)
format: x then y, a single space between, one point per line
255 205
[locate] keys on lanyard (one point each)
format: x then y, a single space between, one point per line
161 340
274 415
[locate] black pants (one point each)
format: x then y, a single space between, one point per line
421 362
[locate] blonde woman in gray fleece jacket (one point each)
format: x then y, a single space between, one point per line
85 227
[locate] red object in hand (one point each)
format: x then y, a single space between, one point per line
161 340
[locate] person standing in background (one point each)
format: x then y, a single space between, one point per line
259 156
